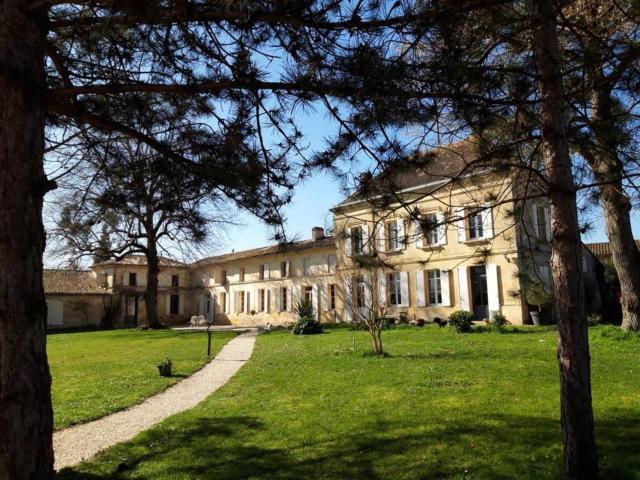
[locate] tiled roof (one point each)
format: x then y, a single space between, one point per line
442 163
71 282
141 260
602 249
270 250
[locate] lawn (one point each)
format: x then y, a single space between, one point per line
97 373
441 405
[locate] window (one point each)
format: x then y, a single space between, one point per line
542 222
306 266
175 280
331 263
174 305
284 300
284 269
241 274
475 223
356 241
208 303
262 304
435 287
223 277
223 302
361 294
241 302
262 270
332 297
394 289
430 225
307 294
133 279
392 235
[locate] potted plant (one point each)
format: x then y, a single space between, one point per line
537 295
164 368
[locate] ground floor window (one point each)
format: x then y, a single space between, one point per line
262 304
394 288
284 299
174 305
332 297
361 294
241 302
308 294
223 302
435 287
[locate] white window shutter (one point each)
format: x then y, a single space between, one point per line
460 226
547 219
297 294
418 233
255 301
420 294
324 297
348 303
287 269
247 301
267 271
180 304
442 228
290 299
382 289
402 238
380 236
493 287
167 303
404 289
347 242
315 292
277 297
367 292
463 289
366 240
487 222
444 285
534 219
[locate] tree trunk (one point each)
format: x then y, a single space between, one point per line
151 292
26 417
576 412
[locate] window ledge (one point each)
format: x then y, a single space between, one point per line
474 241
439 246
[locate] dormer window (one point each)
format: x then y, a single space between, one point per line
133 279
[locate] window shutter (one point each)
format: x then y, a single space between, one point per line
167 304
267 271
297 295
315 292
347 244
267 300
444 284
366 240
404 289
402 237
380 235
288 268
420 294
290 299
324 297
547 220
487 222
460 225
418 233
247 301
534 219
255 301
348 303
442 228
493 287
277 296
463 289
368 286
382 289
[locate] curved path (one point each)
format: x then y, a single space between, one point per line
75 444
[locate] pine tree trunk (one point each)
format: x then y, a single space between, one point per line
576 412
26 417
151 292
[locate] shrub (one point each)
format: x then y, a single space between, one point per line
306 326
461 320
498 319
304 309
594 319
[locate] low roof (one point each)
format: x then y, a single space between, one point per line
270 250
439 164
603 249
71 282
141 260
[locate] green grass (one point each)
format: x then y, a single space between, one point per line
441 405
97 373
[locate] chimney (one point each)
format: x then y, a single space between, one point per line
317 233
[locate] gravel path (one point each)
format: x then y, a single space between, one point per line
75 444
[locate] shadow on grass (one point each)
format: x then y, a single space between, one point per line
490 446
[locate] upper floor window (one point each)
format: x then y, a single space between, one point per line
357 241
475 222
241 275
264 271
306 270
430 226
175 280
223 277
394 288
393 234
133 279
284 269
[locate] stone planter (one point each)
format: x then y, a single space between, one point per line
164 368
535 318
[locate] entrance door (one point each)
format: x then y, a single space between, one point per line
479 294
131 310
